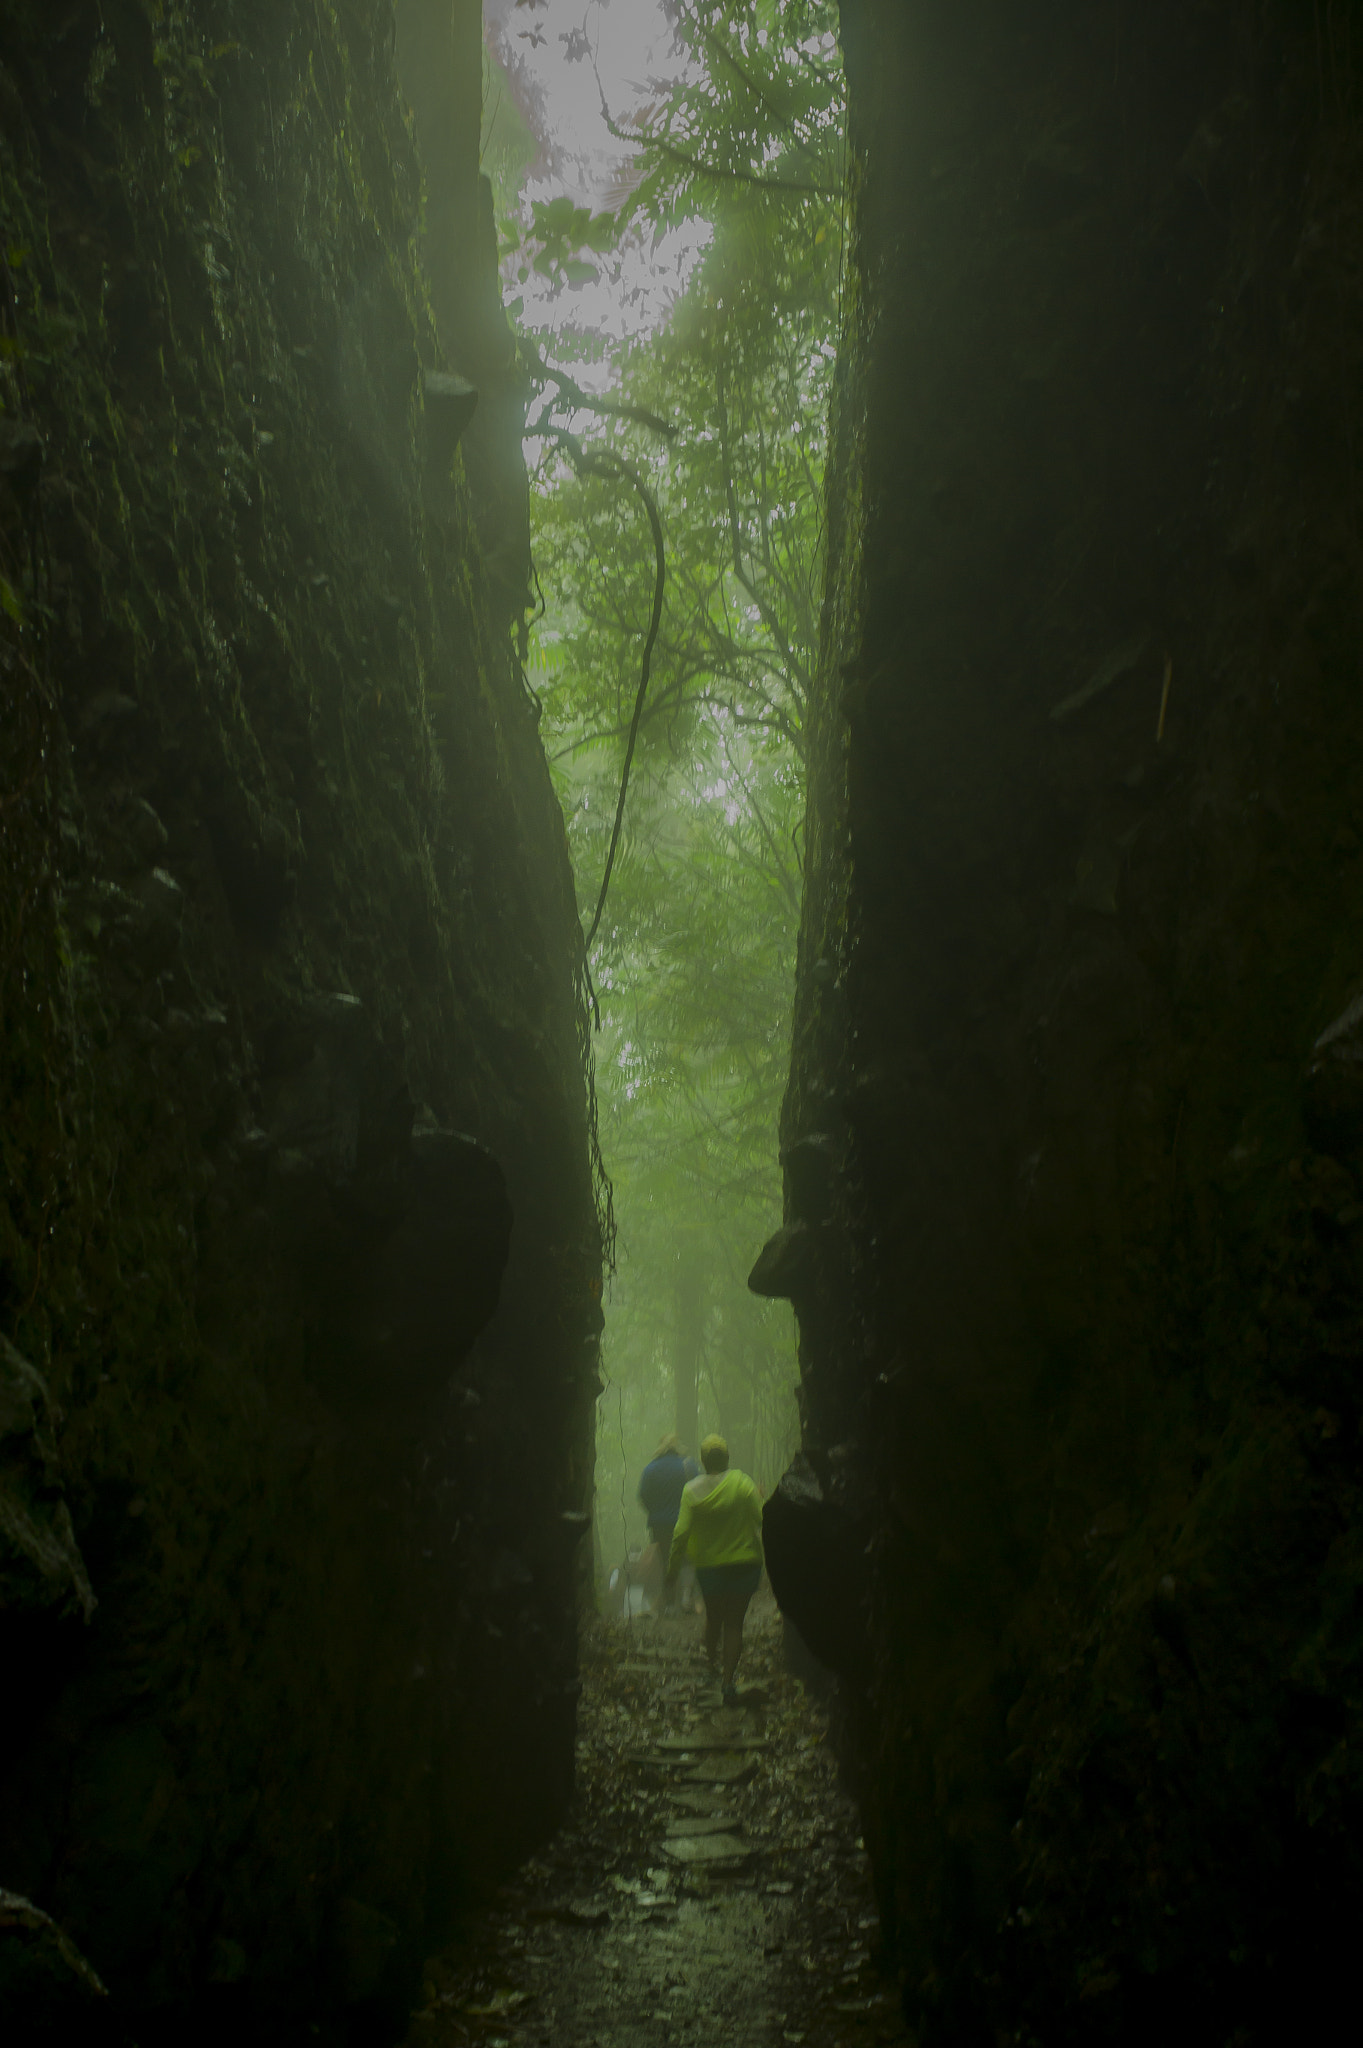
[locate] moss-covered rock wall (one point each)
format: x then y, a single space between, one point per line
299 1259
1073 1131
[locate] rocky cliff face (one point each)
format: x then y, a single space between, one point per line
1073 1135
299 1260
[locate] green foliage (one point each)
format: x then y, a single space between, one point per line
694 960
757 116
560 229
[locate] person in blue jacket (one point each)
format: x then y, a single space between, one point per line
660 1492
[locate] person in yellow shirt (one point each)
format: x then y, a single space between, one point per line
719 1527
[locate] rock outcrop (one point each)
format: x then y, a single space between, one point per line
41 1568
1076 1026
47 1989
299 1252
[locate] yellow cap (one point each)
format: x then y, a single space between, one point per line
710 1444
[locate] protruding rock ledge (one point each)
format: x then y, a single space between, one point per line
46 1985
783 1271
816 1557
41 1567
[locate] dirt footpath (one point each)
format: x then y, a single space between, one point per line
710 1885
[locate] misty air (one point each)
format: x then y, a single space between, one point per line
681 1031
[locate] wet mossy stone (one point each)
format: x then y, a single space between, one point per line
401 1267
21 457
156 923
46 1985
451 402
110 725
253 860
395 1230
366 1941
41 1568
812 1166
816 1559
1333 1104
784 1269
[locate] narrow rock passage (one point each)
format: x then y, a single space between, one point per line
710 1883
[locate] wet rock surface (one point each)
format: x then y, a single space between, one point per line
47 1989
299 1252
41 1568
710 1882
816 1555
1081 958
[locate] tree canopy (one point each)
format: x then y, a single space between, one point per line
720 415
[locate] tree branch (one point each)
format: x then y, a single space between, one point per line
789 888
583 401
758 91
604 462
672 702
796 186
642 140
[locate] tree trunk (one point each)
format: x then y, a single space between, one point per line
690 1333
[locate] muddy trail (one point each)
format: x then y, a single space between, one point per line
710 1874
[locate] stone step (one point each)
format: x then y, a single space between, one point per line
721 1770
707 1849
707 1739
696 1802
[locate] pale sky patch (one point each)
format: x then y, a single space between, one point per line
628 48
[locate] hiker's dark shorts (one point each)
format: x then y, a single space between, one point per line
661 1532
729 1578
